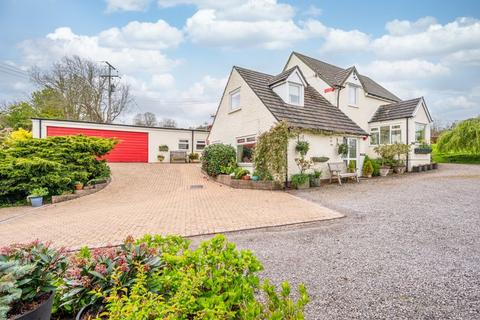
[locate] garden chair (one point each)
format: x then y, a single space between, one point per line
339 170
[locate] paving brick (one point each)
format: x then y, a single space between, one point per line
155 198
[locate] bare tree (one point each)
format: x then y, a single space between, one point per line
83 90
145 119
168 123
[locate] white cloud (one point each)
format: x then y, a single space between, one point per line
144 35
435 40
404 69
127 5
206 28
404 27
313 11
337 40
130 58
468 57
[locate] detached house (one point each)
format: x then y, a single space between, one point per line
342 105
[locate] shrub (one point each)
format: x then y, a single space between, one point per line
229 169
28 273
193 156
214 281
387 153
299 179
376 163
463 138
163 148
351 166
53 163
217 155
342 149
367 168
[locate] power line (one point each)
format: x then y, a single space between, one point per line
111 87
14 74
12 68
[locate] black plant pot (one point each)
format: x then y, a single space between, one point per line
42 312
95 308
422 150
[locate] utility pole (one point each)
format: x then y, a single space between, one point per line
110 86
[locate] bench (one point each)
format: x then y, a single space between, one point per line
178 156
339 170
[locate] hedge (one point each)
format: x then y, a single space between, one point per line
216 156
54 163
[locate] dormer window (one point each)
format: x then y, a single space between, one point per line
294 91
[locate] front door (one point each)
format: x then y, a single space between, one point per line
352 154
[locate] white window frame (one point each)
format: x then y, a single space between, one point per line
392 127
300 89
202 143
424 132
351 87
232 95
182 143
244 141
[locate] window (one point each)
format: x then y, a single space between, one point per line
183 144
374 136
385 135
200 145
420 129
245 148
294 93
235 99
396 134
352 95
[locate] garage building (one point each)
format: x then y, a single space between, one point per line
137 143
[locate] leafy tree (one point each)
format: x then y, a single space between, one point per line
463 137
145 119
17 115
48 104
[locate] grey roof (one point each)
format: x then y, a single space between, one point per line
398 110
316 113
282 76
334 75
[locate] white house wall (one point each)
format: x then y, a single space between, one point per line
156 136
252 118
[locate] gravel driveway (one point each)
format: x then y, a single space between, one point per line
409 248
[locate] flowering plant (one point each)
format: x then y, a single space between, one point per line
90 273
28 273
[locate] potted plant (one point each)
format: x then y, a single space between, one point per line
29 274
246 177
36 196
194 157
387 154
351 166
319 159
240 172
368 168
78 185
401 151
255 176
302 147
163 148
300 181
315 178
160 158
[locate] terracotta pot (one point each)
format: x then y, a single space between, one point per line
246 177
368 175
79 186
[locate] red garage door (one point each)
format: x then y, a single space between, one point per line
132 146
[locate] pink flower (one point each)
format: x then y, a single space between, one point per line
100 268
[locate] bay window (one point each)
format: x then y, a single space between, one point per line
385 135
374 136
420 129
396 135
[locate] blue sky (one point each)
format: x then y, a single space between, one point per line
176 54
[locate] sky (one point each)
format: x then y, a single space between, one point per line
176 55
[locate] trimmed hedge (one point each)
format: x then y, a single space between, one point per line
216 156
54 163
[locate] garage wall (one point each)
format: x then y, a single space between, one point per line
156 136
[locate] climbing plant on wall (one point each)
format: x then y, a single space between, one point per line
270 157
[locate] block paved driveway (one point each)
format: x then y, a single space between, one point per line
155 198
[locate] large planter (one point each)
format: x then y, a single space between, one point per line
304 185
36 201
86 312
400 169
42 312
422 150
314 182
384 171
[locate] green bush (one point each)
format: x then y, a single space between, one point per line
54 163
216 156
302 147
299 179
367 167
214 281
376 163
39 192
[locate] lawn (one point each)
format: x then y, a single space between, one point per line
466 158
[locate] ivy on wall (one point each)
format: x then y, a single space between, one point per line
270 157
